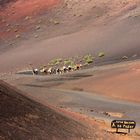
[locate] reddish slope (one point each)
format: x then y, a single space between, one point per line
17 17
21 8
82 13
122 82
109 27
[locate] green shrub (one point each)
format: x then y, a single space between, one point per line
68 62
88 59
56 22
55 61
101 54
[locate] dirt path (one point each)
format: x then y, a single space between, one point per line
95 106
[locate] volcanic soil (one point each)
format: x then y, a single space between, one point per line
23 118
34 32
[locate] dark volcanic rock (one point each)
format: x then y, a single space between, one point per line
24 119
4 2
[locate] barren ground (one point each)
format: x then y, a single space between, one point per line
77 92
34 32
22 118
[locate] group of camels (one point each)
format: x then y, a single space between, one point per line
55 70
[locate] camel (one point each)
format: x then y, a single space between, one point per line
35 71
43 70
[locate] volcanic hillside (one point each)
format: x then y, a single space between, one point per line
22 118
37 31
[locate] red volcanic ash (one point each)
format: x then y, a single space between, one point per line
23 8
17 16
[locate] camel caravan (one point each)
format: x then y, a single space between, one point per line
59 66
55 70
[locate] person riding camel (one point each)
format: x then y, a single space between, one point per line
78 66
43 70
35 71
64 69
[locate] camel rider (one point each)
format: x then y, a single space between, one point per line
64 69
35 71
69 68
43 70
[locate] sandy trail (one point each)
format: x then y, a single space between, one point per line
95 106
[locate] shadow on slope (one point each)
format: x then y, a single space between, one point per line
22 118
